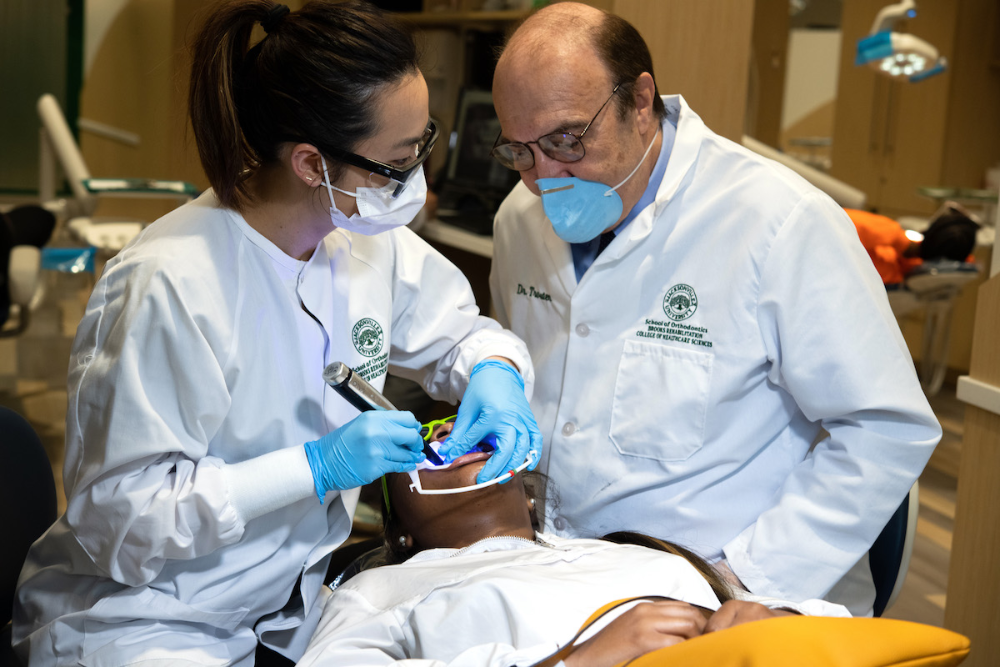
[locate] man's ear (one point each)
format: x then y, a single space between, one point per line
306 164
645 94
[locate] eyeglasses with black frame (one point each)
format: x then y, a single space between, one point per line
394 174
561 146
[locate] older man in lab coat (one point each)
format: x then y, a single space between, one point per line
716 359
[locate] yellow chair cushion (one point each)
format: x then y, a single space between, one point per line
816 641
793 641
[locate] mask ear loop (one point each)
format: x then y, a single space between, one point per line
644 156
415 479
330 187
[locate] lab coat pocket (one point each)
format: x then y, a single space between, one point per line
660 401
136 623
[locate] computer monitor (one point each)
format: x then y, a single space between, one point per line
474 183
476 128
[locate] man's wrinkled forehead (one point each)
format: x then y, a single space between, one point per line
544 95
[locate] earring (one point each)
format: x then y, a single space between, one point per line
531 502
309 178
402 541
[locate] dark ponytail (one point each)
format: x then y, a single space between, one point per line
315 77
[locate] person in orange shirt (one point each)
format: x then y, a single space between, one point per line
951 235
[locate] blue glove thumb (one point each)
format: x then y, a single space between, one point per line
372 444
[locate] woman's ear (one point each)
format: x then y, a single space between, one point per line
306 164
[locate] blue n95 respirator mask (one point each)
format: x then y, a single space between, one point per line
580 210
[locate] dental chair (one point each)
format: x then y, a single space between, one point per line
889 557
28 507
934 284
57 144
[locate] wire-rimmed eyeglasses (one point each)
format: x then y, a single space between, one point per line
561 146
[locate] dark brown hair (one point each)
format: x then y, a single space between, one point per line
625 54
315 77
711 575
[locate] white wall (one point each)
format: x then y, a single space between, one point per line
811 73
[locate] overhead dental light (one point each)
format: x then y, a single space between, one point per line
895 54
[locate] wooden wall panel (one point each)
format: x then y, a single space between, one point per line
700 50
769 60
128 88
973 575
972 142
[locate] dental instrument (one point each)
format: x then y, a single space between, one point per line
356 391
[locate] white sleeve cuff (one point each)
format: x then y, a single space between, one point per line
269 482
522 362
806 607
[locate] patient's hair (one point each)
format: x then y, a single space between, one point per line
951 235
316 77
535 487
711 575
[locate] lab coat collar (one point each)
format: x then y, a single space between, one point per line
274 252
687 143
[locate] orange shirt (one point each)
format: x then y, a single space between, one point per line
885 241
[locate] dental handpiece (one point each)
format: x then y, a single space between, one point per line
356 391
354 388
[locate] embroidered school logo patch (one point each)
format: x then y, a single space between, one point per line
367 337
680 302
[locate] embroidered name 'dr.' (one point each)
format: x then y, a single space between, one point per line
531 291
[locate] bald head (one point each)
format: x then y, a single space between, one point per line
573 36
575 25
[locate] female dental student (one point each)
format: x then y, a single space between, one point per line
199 429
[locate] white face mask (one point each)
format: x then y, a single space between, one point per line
415 478
377 210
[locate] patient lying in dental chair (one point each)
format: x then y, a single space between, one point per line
469 581
896 253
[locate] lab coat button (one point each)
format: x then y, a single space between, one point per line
569 428
582 330
559 523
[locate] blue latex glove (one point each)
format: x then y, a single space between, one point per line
494 404
364 449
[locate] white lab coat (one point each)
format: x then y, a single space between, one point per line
500 602
203 346
695 424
